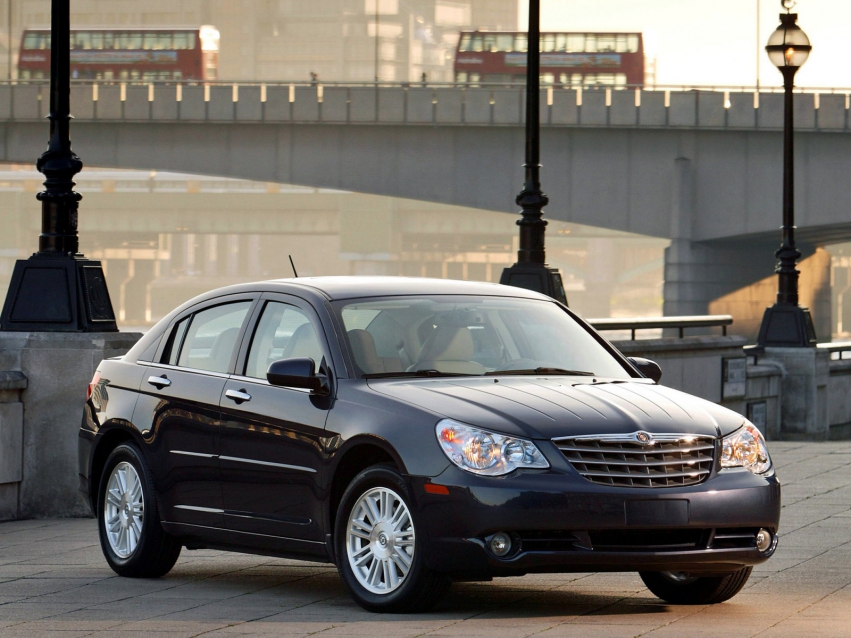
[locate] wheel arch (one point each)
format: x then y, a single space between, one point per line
106 442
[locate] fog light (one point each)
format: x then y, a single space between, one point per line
763 540
500 543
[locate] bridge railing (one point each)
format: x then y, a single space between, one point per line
678 323
431 104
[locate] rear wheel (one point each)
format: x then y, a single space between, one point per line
682 588
379 552
131 537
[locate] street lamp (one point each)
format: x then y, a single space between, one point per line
57 289
786 324
531 271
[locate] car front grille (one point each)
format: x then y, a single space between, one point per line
640 459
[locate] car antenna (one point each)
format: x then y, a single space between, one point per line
293 265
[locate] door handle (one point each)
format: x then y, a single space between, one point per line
159 382
239 396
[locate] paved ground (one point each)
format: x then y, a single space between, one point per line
54 581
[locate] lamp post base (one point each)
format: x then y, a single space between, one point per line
536 277
58 294
787 325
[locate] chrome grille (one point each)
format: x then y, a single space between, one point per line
640 459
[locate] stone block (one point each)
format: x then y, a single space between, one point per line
164 106
306 105
652 111
220 108
82 104
362 104
508 106
11 441
26 101
710 109
683 109
420 105
136 103
831 112
477 106
58 367
623 111
391 105
450 106
335 104
564 110
770 111
742 113
804 110
192 105
9 501
593 111
278 105
249 108
5 102
109 105
804 392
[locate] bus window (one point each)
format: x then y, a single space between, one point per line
177 75
124 75
548 42
590 43
191 40
24 74
150 41
548 78
149 76
465 43
181 41
561 42
108 40
505 42
164 42
461 76
632 46
477 43
490 43
109 75
97 40
576 42
605 43
521 43
134 74
620 79
81 40
31 41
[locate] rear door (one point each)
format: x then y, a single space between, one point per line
178 409
271 448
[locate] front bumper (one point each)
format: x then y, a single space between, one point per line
561 522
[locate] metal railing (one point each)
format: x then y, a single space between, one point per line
679 323
837 350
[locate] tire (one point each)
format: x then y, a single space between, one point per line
679 588
374 570
134 545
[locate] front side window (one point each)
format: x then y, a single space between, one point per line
211 337
283 332
470 336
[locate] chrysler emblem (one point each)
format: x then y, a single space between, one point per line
644 438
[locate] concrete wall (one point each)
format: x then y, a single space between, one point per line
42 394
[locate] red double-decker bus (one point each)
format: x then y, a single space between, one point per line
574 59
127 54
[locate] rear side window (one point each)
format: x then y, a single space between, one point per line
210 337
175 340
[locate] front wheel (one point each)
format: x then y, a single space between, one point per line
131 537
681 588
379 551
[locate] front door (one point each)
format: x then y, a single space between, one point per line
178 412
271 449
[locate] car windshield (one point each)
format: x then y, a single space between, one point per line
466 336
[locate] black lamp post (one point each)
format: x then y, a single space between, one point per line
786 324
57 289
531 271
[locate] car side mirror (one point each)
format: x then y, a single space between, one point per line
648 368
298 373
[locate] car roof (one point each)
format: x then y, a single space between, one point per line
335 288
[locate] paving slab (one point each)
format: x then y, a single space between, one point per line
54 582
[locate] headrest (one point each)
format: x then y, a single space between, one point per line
448 343
363 349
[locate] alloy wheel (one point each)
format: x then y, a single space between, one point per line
124 509
380 540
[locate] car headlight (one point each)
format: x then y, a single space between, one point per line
746 448
482 452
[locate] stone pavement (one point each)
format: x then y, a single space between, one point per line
54 582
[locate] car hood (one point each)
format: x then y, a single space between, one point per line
544 408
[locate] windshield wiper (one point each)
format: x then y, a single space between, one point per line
559 371
415 373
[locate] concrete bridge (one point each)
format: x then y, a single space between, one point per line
702 168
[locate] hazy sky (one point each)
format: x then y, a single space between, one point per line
714 42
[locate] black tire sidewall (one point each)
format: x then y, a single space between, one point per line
379 476
129 453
